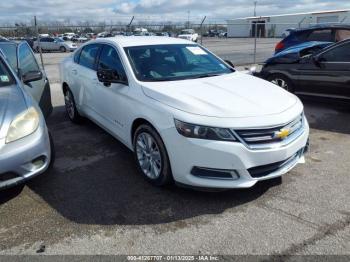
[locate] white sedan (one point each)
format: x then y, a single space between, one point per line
187 115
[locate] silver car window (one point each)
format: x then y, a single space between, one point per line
27 61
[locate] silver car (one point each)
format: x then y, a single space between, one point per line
54 44
25 144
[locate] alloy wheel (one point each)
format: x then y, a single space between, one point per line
148 155
281 83
69 104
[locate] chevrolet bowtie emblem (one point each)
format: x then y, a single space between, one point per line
282 134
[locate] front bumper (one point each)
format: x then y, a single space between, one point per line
72 48
186 154
25 158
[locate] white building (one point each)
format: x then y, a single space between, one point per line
275 25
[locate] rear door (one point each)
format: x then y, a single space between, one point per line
330 77
51 45
85 76
44 43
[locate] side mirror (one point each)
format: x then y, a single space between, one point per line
108 76
317 60
32 76
230 63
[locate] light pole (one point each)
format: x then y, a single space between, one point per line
255 3
188 18
255 31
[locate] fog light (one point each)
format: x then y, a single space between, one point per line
210 173
38 162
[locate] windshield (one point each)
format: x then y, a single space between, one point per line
174 62
186 32
59 40
6 78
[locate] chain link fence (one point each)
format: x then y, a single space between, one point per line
242 43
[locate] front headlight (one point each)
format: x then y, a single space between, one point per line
23 125
204 132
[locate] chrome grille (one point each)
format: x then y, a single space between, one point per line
269 137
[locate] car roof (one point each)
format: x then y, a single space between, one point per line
324 26
127 41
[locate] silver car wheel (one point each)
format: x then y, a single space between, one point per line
69 104
280 82
148 155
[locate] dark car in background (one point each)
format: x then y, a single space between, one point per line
325 33
317 69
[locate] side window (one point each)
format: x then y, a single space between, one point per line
77 56
50 40
338 54
342 34
109 59
88 56
27 61
43 39
321 35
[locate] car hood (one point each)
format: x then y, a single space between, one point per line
186 35
227 96
11 104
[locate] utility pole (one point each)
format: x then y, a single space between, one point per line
38 41
201 29
255 31
188 18
255 3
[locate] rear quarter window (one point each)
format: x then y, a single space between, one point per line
324 35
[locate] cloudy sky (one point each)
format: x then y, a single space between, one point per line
122 10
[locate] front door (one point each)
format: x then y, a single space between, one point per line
112 99
26 64
329 76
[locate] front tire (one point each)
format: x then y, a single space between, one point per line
71 108
63 49
151 156
282 81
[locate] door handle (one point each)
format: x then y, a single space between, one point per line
75 72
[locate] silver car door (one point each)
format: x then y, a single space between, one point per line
40 89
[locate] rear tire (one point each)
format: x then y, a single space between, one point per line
71 108
282 81
151 156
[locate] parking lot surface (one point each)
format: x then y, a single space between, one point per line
93 200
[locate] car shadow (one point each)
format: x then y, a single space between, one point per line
10 193
94 180
328 116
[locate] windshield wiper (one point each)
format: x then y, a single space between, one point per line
206 75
